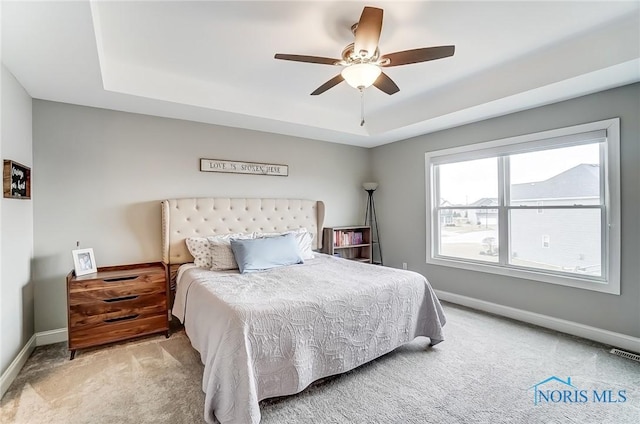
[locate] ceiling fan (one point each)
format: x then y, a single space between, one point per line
362 61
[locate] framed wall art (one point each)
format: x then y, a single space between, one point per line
235 167
16 180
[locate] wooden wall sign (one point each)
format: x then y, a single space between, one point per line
234 167
16 181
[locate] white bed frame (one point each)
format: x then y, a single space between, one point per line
201 217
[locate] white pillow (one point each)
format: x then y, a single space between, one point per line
214 252
220 253
305 244
304 240
199 249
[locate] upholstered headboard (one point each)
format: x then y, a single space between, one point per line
182 218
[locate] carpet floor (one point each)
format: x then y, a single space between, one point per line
484 372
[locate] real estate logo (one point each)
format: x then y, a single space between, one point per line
554 390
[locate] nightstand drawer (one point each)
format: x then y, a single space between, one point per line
108 293
98 311
117 330
119 282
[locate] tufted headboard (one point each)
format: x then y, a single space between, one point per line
182 218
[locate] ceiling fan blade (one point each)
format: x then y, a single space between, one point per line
418 55
368 32
329 84
386 84
307 59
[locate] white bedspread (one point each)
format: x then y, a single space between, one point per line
273 333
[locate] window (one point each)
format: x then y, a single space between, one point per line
545 243
497 206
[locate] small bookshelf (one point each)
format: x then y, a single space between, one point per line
352 242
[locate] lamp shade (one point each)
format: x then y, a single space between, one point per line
370 186
361 75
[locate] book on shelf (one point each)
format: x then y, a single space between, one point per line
347 238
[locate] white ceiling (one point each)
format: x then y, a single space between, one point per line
212 61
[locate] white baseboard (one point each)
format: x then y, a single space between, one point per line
51 336
607 337
39 339
14 368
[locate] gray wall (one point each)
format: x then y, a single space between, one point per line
102 174
400 203
16 227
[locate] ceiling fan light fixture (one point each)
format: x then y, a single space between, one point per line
361 75
362 68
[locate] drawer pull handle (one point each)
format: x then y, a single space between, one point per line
113 280
124 318
120 299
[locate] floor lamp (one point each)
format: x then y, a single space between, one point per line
371 219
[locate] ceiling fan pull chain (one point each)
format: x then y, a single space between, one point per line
361 107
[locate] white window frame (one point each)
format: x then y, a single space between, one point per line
610 185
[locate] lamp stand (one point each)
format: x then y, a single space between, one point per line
370 219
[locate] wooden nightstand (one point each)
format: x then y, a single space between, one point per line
117 303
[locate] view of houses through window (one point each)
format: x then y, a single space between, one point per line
539 205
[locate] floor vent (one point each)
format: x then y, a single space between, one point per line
625 354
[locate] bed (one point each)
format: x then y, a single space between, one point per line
272 333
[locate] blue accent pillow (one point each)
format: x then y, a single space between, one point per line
266 253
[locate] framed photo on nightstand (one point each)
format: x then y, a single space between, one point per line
84 261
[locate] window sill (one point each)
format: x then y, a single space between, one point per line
611 287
